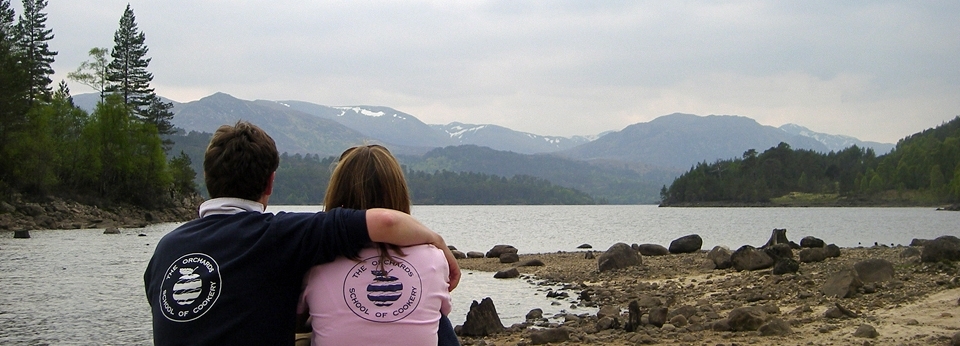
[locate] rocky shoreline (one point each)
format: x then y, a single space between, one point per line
20 214
683 299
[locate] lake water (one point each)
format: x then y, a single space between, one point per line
84 287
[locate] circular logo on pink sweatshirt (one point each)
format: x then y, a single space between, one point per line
384 293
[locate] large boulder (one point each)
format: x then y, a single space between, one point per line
6 208
750 258
474 254
619 255
746 318
652 250
482 319
832 250
910 252
32 209
549 335
778 251
775 327
815 254
609 311
497 250
843 284
686 311
720 257
507 274
509 257
457 254
811 242
945 248
786 266
874 270
531 263
866 331
658 316
686 244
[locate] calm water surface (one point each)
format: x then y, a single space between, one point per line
84 287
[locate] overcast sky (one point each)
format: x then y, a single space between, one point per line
876 70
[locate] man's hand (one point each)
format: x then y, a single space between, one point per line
453 265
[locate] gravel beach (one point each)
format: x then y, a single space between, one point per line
682 299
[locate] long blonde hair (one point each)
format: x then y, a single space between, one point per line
366 177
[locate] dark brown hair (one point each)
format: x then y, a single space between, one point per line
239 161
368 177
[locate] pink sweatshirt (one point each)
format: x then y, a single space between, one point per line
355 303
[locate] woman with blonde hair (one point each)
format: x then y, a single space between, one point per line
387 295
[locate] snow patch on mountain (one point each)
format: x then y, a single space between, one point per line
366 112
835 142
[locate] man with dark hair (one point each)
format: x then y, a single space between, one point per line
233 276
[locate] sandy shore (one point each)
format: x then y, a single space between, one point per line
921 306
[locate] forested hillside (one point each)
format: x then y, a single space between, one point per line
302 179
614 184
922 169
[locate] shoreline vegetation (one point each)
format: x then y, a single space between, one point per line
805 200
697 304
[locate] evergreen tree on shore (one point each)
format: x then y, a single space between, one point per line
128 76
32 36
127 72
14 86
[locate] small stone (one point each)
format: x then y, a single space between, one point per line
866 331
775 327
507 274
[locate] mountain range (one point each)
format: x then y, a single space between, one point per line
644 156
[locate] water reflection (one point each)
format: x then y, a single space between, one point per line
513 298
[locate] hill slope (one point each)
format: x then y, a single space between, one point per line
294 131
682 140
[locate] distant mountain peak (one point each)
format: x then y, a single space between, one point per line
219 95
502 138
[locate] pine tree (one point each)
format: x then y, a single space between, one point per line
14 87
127 73
7 24
36 56
159 114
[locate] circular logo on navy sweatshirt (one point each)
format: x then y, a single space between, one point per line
384 293
190 287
